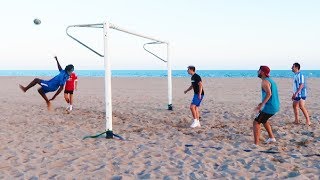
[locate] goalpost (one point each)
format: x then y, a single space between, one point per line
107 65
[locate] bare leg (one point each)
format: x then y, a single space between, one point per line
197 113
45 98
66 97
268 128
256 132
305 112
193 111
71 99
32 83
295 106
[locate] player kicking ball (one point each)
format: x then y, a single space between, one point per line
51 85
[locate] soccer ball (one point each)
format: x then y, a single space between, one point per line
36 21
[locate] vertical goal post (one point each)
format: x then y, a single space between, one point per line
107 67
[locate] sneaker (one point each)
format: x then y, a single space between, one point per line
270 140
253 146
70 108
195 123
67 109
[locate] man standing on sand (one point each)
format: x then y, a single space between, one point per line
269 106
299 94
196 85
52 84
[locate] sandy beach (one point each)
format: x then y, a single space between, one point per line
38 144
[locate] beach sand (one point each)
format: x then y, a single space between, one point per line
37 144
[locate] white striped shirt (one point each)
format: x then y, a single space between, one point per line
297 80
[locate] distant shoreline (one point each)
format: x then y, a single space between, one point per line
163 73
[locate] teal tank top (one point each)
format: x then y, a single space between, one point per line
273 104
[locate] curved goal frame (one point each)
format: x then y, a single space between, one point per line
107 65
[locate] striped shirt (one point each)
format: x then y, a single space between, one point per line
297 80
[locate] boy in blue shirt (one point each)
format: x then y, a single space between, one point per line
51 85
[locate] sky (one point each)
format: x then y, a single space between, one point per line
209 34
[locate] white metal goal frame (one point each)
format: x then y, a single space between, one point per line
107 65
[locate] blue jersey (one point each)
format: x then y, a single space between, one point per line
54 83
273 104
299 79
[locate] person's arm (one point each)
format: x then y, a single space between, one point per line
76 84
58 64
200 89
188 89
298 91
266 87
57 93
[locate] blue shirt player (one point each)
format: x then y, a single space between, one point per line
51 85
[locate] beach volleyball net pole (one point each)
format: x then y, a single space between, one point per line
107 65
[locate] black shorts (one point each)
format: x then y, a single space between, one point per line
68 92
299 98
263 117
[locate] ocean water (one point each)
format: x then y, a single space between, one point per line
163 73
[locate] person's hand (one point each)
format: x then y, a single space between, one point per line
199 96
185 92
293 96
55 57
258 108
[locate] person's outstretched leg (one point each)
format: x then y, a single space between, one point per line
32 83
305 112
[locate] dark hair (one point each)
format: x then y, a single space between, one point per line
69 67
192 68
297 65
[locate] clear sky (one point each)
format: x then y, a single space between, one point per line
210 34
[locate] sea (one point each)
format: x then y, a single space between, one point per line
163 73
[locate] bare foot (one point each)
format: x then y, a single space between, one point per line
22 88
296 122
49 106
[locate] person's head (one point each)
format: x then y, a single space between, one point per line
295 67
69 69
263 72
191 70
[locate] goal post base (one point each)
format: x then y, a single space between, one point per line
109 134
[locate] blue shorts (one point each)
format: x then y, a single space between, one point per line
46 86
299 98
196 101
